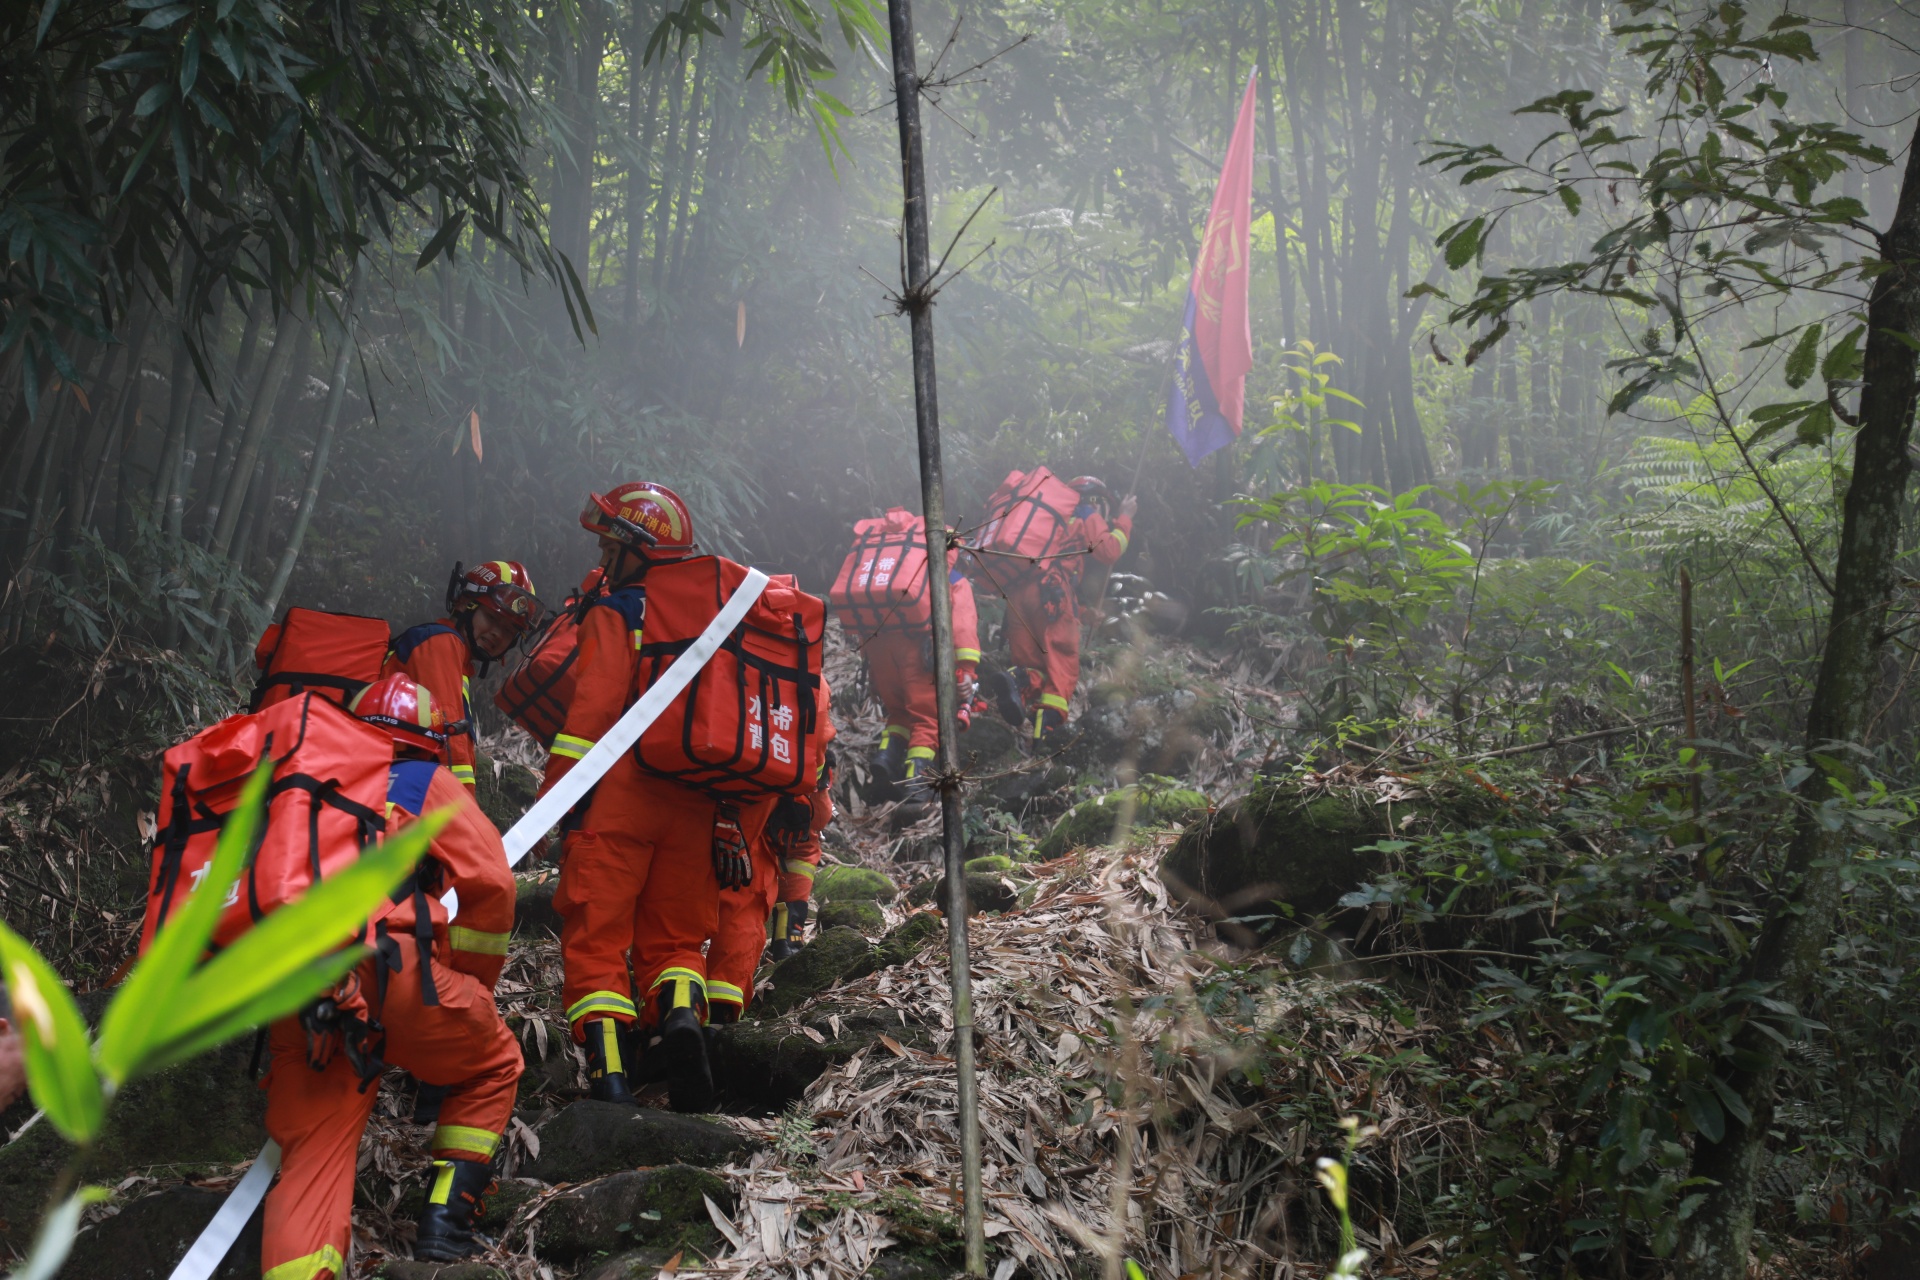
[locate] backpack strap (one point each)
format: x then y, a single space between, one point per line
179 830
413 637
407 784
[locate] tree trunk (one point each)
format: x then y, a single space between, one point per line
1716 1239
639 171
293 333
322 447
1275 195
234 407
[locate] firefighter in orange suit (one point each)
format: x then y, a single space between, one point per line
489 607
640 877
776 901
1043 613
423 1001
900 666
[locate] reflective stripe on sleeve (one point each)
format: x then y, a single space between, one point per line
797 867
966 655
461 938
463 773
1120 536
570 747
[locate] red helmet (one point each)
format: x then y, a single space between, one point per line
501 587
406 710
644 516
1089 486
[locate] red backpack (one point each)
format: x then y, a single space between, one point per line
1029 518
335 654
536 693
326 804
882 584
753 721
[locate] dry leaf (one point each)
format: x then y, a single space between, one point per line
740 325
893 1046
473 432
672 1265
813 1035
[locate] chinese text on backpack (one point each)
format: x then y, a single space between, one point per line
882 584
1028 520
336 654
325 805
751 723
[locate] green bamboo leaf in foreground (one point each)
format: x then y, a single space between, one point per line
58 1050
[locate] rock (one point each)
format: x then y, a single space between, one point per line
533 913
1095 821
837 882
987 742
767 1066
592 1139
834 956
504 790
864 916
915 1264
986 891
992 862
1278 844
661 1207
909 938
635 1264
554 1076
510 1195
147 1239
408 1269
202 1116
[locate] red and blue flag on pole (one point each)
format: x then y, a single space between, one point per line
1216 346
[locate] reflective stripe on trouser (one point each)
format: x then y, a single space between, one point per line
464 1140
897 663
317 1116
322 1262
638 878
1049 647
461 938
742 932
602 1004
918 758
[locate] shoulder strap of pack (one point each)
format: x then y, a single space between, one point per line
413 637
407 784
630 602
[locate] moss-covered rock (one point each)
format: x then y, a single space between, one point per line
663 1207
909 938
834 956
1095 821
864 916
986 891
409 1269
533 913
765 1067
200 1117
836 882
505 790
1303 849
635 1264
592 1139
149 1236
992 862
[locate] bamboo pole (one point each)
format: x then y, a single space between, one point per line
917 302
322 446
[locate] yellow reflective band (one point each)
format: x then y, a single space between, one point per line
1039 719
886 735
636 639
463 773
610 1047
570 747
686 982
317 1263
726 991
1053 700
776 925
799 867
442 1182
966 655
460 1137
1120 536
920 753
461 938
600 1002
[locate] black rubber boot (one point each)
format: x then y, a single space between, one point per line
683 1062
790 924
454 1202
607 1064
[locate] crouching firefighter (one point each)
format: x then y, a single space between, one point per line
489 608
423 1001
675 817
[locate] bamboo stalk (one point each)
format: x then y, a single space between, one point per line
917 302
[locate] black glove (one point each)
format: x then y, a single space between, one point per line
790 825
732 863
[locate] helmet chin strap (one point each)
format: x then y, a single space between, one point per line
463 623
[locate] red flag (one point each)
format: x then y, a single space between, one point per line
1205 408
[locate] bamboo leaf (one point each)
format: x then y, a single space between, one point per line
59 1054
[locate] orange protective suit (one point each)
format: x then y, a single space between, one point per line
637 895
438 657
900 664
461 1042
1043 618
741 933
